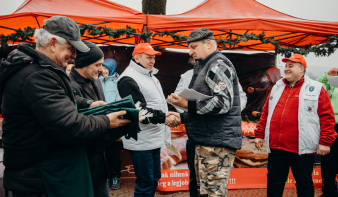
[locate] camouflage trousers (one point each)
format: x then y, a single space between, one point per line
213 165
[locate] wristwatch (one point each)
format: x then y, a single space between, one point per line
89 102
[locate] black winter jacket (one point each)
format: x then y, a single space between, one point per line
100 166
39 115
83 92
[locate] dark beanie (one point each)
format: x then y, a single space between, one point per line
84 59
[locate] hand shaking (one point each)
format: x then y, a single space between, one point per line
172 119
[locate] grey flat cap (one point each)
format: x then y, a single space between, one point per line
66 28
200 34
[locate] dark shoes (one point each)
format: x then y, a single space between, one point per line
114 183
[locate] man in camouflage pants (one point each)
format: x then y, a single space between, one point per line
213 125
213 165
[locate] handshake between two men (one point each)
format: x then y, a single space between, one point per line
172 119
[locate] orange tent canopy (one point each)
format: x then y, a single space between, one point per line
232 18
227 18
94 12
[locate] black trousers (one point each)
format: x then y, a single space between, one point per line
329 168
191 164
113 159
279 163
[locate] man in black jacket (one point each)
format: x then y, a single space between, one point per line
88 93
39 108
213 125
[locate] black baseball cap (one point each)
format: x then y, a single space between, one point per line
66 28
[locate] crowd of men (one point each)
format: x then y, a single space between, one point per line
41 102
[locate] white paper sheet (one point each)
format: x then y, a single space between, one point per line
191 95
333 80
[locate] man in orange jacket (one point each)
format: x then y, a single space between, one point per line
297 122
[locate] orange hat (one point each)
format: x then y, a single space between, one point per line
296 58
145 48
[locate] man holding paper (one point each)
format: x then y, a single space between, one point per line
214 124
190 146
329 163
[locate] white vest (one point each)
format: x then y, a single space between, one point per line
308 119
151 136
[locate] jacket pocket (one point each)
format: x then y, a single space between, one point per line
310 111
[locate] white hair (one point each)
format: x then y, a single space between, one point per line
43 37
213 42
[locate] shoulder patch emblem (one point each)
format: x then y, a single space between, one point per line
220 86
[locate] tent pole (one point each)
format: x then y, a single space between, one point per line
145 31
8 28
275 56
37 21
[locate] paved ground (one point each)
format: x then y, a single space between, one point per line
127 190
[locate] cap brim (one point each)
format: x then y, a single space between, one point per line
79 45
286 59
154 53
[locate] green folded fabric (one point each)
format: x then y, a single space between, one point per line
66 172
128 130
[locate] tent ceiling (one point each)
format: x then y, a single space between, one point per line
32 13
227 18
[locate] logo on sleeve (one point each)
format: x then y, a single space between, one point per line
220 86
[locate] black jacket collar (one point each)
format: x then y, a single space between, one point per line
83 83
43 59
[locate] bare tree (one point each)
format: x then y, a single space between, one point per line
154 6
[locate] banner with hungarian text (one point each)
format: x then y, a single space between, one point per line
249 166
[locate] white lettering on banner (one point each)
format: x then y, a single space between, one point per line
176 174
232 181
180 183
164 175
250 128
162 184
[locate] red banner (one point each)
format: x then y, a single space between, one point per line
240 178
174 180
180 127
248 129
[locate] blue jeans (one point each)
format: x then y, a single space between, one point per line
147 167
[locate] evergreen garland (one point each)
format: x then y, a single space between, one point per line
24 35
325 49
112 33
177 38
